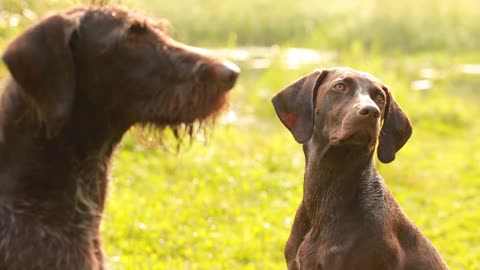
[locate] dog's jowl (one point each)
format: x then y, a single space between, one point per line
79 80
348 219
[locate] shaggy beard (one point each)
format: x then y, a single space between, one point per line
182 134
153 135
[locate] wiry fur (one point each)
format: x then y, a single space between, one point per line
80 79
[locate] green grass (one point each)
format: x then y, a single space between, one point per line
229 203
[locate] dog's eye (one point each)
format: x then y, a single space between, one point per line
339 87
380 99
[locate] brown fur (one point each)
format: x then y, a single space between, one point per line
80 79
348 219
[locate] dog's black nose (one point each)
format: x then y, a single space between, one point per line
227 73
369 110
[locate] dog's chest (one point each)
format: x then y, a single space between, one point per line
319 252
344 247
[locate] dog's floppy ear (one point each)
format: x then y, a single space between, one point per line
395 132
41 62
295 106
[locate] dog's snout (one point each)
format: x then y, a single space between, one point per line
227 73
369 110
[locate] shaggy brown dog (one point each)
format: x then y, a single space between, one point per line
79 80
348 219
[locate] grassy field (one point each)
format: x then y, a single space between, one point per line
228 201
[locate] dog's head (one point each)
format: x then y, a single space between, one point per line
118 63
344 107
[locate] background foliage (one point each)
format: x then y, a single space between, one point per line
228 201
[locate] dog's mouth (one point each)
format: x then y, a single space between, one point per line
358 138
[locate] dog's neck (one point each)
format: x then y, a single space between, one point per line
81 150
337 179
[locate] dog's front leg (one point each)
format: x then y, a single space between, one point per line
301 226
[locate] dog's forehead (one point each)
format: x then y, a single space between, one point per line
110 13
104 21
343 72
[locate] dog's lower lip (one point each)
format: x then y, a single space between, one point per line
335 141
225 90
229 88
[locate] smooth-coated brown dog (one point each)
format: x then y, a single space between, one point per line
79 80
348 219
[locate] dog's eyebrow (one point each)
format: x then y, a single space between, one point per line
139 22
344 78
370 77
160 25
